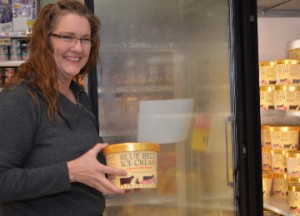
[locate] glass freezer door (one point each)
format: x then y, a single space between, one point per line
171 59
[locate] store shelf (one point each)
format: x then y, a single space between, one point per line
280 117
278 205
11 63
14 34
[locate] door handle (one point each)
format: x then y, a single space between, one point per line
229 150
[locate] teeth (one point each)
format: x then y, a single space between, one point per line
72 59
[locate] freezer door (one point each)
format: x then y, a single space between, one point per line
167 76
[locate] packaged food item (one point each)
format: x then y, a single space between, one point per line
4 57
294 198
293 163
3 50
21 13
280 185
287 97
284 137
138 159
266 158
5 16
287 71
267 73
266 97
294 49
266 136
278 158
267 179
15 57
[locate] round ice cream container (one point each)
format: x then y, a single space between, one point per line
287 71
266 136
266 158
267 179
280 185
266 97
294 198
284 137
267 74
293 163
294 49
286 97
278 161
140 160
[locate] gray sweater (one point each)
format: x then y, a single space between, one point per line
33 154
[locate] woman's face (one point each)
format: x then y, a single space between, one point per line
70 54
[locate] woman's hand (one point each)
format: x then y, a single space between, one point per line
89 171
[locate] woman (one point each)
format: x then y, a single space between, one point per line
49 145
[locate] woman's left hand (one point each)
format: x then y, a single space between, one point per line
87 170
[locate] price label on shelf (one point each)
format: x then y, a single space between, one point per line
5 41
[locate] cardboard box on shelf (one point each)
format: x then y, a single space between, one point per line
5 16
21 13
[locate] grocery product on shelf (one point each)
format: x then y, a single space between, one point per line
5 16
294 199
287 71
267 74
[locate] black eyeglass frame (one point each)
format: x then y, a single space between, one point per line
71 38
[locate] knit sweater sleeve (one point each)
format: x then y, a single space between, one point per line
18 122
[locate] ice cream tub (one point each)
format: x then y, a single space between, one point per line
140 160
294 49
293 163
280 185
294 198
266 158
266 97
267 181
284 137
287 71
266 136
267 73
287 97
278 160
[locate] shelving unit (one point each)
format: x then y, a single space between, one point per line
286 118
280 117
11 63
278 205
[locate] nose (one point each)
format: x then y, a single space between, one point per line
77 45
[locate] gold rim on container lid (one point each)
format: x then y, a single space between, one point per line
287 61
266 63
280 175
129 147
265 126
267 174
266 88
266 149
290 88
284 128
293 154
294 187
293 180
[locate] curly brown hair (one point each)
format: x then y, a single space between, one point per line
39 71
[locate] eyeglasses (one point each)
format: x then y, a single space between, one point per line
71 39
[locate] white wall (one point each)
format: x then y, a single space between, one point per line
273 35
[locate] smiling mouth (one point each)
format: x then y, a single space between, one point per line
72 59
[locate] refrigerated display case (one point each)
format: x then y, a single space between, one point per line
160 52
273 47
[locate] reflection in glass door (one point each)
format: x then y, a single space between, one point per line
159 52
